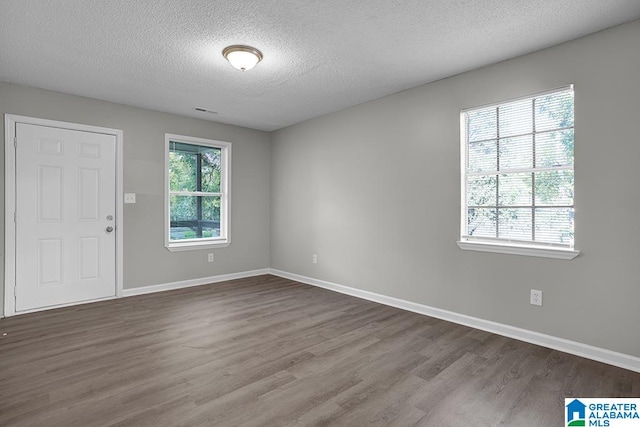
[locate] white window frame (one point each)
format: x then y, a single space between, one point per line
503 246
224 239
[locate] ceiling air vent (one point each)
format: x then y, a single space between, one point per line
204 110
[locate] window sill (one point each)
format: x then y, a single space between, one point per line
190 246
513 249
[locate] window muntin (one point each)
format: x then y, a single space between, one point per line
197 195
517 171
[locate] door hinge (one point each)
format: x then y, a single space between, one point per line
15 218
15 292
15 142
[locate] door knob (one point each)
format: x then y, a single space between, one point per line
109 229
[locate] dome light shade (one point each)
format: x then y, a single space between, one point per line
242 57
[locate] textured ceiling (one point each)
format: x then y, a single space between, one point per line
320 56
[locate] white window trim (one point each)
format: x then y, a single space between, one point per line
224 239
503 246
518 249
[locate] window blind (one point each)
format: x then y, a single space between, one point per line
518 175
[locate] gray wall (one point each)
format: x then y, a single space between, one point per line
146 261
374 190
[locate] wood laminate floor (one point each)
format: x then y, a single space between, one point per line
267 351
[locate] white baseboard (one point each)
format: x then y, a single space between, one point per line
583 350
193 282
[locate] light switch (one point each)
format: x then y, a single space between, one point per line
129 197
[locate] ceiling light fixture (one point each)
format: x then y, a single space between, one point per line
242 57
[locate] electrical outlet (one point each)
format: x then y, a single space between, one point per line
314 259
210 257
536 297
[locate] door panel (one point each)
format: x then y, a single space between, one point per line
65 195
89 194
49 262
49 194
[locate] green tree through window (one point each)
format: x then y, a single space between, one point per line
194 191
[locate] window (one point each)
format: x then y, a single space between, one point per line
197 192
517 176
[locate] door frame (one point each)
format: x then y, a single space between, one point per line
10 122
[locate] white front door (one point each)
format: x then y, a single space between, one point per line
65 216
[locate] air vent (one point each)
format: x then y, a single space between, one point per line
204 110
